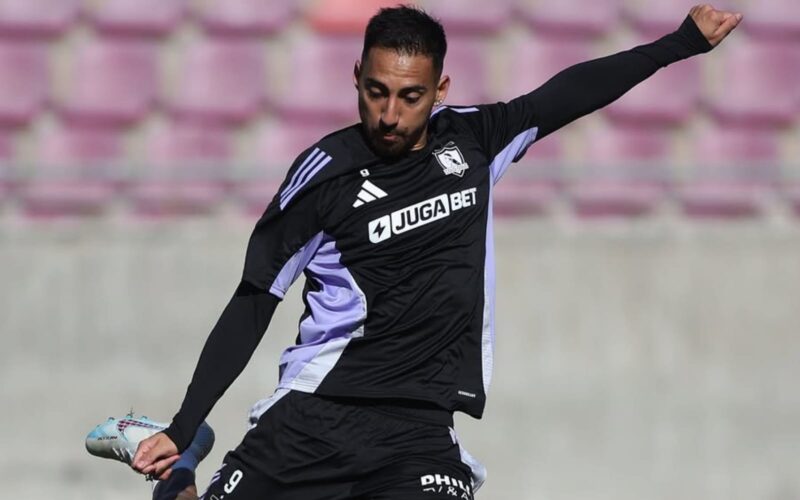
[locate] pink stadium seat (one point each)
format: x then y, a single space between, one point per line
77 172
733 170
343 16
220 81
790 191
111 83
655 19
7 156
772 19
530 186
534 60
137 17
245 17
669 97
467 69
624 172
278 144
789 183
36 18
470 16
23 81
274 149
186 172
568 18
758 83
320 76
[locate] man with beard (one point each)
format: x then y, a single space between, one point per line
390 222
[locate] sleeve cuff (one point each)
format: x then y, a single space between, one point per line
693 37
175 435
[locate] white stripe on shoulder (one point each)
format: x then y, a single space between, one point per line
465 110
457 110
304 174
310 159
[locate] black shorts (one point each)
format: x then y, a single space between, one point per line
305 447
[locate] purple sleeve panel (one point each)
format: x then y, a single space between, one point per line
337 314
511 153
295 266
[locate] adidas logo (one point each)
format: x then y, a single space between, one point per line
369 192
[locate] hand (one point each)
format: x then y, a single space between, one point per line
155 455
714 24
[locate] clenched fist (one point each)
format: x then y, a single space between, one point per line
714 24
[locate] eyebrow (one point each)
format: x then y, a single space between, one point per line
406 90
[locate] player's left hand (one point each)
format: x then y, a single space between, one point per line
714 24
155 455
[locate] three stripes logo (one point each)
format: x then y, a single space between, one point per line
369 192
313 163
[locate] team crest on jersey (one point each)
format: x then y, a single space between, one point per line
451 160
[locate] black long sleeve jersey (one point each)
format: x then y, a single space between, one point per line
397 255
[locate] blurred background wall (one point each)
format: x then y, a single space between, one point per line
648 255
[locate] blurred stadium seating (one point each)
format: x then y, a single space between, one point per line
185 169
110 82
343 16
655 19
628 176
757 83
535 59
23 90
772 19
571 17
245 17
272 150
137 17
329 93
531 186
37 18
733 171
468 70
220 81
471 17
78 171
6 174
276 75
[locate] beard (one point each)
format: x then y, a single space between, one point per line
401 144
389 149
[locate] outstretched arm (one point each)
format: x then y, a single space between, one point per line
281 245
227 351
586 87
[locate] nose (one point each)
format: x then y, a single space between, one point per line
389 114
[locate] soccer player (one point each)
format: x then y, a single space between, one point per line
390 221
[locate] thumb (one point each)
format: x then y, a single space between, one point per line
729 22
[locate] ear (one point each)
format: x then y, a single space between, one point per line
442 88
356 73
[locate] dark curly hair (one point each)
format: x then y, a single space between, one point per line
408 30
